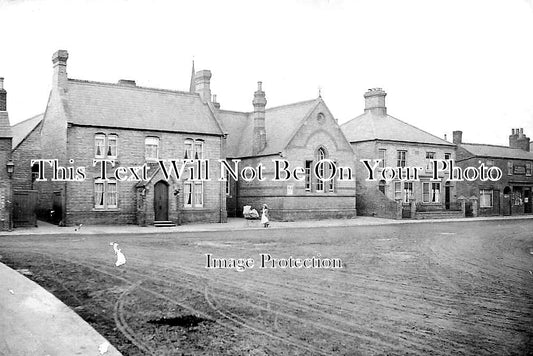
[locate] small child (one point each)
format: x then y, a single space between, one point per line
264 216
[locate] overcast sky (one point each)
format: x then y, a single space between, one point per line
445 65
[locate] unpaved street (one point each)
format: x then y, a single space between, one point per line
426 289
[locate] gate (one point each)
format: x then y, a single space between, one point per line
24 204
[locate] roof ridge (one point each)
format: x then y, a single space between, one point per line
424 131
31 118
168 91
292 104
491 145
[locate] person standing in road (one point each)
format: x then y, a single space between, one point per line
264 216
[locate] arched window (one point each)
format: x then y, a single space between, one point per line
321 154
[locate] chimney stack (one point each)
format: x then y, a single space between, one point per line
375 101
59 60
202 84
517 139
259 102
3 96
458 137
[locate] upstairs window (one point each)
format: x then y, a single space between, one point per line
401 158
151 148
198 149
99 146
429 157
112 145
188 149
528 169
447 156
382 154
509 168
105 145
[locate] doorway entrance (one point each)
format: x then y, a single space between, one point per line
447 195
161 201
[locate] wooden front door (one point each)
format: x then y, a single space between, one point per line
496 202
161 201
25 202
447 196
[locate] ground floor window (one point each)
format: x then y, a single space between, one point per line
485 198
105 194
408 191
193 194
430 192
397 190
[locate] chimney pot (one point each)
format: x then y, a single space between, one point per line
457 137
3 96
59 60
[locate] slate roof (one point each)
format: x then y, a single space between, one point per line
281 123
5 128
127 106
371 126
24 128
481 150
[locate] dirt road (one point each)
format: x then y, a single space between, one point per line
426 289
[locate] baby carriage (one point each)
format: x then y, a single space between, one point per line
249 213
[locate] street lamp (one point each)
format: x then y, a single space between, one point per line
10 166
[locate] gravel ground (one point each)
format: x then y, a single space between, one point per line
426 289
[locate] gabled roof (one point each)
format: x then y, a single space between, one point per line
24 128
5 128
130 106
281 123
370 126
481 150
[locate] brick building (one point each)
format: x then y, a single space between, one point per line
131 125
6 163
302 134
510 195
26 147
377 135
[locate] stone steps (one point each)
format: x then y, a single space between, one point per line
441 214
164 224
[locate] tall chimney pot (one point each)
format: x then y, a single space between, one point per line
3 96
259 102
59 60
458 137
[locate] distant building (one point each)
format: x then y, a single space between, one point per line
26 146
377 135
303 134
512 194
6 163
131 125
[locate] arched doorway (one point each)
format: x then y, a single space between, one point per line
161 201
506 204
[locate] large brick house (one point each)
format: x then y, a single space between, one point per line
6 163
301 134
510 195
131 125
377 135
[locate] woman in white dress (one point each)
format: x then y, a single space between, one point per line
264 216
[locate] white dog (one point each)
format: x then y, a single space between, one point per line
121 259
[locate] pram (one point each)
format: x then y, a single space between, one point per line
249 213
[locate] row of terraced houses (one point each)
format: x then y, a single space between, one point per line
135 126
